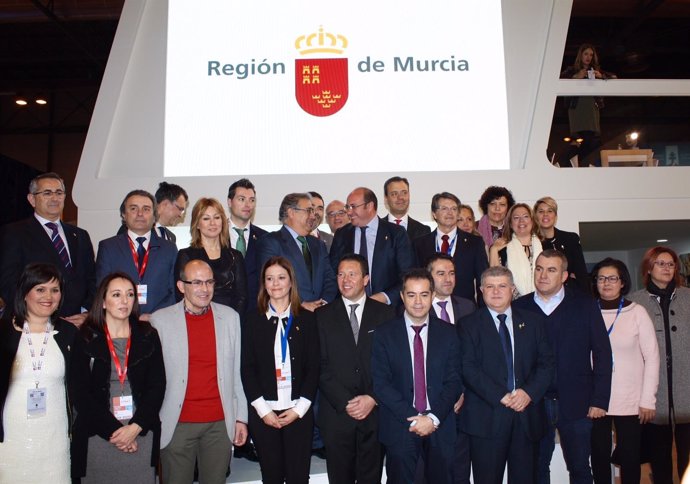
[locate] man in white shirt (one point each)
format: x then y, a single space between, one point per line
325 237
396 194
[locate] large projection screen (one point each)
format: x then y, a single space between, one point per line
308 86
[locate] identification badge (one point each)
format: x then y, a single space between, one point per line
283 378
36 402
123 407
142 290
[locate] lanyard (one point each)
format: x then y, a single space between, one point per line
37 364
450 246
135 257
121 372
618 313
284 338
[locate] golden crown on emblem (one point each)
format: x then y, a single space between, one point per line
321 43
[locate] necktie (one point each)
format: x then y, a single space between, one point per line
164 236
141 251
507 350
241 243
59 245
444 313
305 252
397 221
444 244
354 323
419 375
363 251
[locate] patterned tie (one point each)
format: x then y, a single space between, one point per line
364 252
419 375
305 252
59 245
241 243
444 313
507 350
141 252
445 246
354 324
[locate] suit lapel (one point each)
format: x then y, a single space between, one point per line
492 338
39 234
403 345
290 246
519 342
72 244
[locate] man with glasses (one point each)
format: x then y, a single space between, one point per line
581 388
45 238
396 194
171 203
204 410
307 254
325 237
467 250
385 246
336 215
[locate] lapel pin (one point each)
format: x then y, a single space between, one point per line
521 325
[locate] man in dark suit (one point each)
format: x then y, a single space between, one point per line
141 253
244 235
307 254
396 194
45 238
387 247
325 237
348 416
581 389
507 366
414 366
467 250
171 206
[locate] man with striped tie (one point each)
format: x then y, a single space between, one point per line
45 238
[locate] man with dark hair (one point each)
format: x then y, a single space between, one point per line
385 246
414 366
467 250
244 234
171 206
348 417
325 237
308 255
141 253
45 238
396 194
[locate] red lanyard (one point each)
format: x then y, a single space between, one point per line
121 372
135 257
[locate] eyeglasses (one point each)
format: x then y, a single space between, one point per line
352 206
180 209
197 284
309 210
337 213
51 193
661 264
609 279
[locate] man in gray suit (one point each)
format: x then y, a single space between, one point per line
204 411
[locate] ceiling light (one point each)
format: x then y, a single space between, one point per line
21 101
661 241
567 139
41 100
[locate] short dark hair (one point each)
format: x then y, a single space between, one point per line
137 193
241 183
170 192
436 198
352 257
95 321
370 196
316 195
394 179
620 267
492 193
33 185
437 256
416 274
34 274
291 200
553 253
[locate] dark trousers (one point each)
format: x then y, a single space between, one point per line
658 441
511 446
627 448
576 445
402 459
284 454
353 452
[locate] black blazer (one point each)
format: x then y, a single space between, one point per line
462 307
416 229
169 234
469 259
65 338
26 241
569 244
393 255
258 361
345 366
146 375
484 373
252 268
582 349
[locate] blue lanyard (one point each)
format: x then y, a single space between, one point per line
283 333
450 246
618 313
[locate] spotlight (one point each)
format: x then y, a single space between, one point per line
41 100
631 139
20 101
567 139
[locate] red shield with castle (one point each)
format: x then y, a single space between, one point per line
321 85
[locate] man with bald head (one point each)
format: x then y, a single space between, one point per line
336 215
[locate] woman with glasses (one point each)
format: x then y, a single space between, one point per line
519 248
494 204
635 375
668 303
211 243
280 373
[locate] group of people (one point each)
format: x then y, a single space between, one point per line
463 347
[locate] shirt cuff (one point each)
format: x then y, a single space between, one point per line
388 300
261 407
302 406
434 419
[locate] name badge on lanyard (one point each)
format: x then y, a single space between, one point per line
283 374
142 289
123 405
36 397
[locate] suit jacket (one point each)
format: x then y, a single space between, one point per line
569 244
484 373
169 234
346 366
392 256
391 368
115 254
172 330
461 307
258 357
577 330
326 238
416 229
469 259
252 267
26 241
320 284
